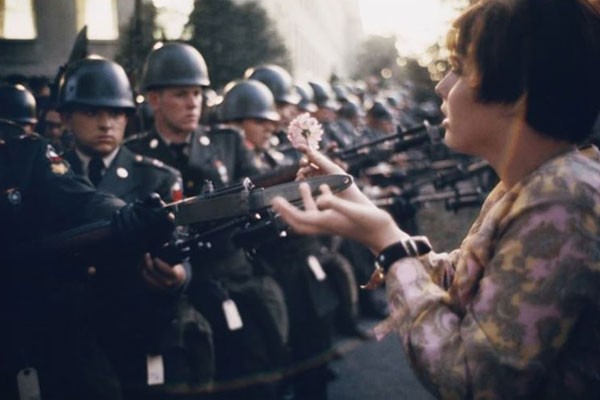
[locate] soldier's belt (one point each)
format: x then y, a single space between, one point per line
248 200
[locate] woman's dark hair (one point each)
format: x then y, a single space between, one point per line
545 50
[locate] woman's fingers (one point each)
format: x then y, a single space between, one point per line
307 198
296 218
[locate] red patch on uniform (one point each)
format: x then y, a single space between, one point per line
177 192
52 155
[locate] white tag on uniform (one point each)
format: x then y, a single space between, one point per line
232 315
156 369
315 267
28 384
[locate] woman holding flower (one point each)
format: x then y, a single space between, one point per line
515 311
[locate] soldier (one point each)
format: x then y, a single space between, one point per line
134 315
47 345
18 106
52 128
245 311
300 265
379 121
326 114
249 106
287 98
351 120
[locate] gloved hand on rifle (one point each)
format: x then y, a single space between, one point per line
143 226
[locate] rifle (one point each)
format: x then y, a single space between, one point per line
400 141
461 172
453 199
78 52
243 207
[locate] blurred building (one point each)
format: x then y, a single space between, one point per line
322 36
36 36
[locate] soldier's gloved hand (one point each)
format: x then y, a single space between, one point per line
144 225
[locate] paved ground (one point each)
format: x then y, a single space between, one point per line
372 370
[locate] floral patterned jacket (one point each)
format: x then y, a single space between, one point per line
515 311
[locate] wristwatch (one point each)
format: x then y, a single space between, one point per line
413 247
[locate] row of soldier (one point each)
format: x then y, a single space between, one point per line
230 321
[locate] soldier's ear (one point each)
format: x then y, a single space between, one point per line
153 98
65 117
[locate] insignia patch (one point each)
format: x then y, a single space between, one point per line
122 172
59 168
222 169
52 155
14 196
177 191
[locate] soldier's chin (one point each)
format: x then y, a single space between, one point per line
104 149
189 126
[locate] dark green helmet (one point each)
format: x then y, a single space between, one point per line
17 104
95 82
248 98
174 64
277 79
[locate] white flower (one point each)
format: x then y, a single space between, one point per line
306 130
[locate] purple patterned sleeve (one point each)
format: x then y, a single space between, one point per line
511 323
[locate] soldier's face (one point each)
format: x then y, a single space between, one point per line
287 112
53 125
177 109
258 132
97 131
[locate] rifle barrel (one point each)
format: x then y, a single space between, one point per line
414 140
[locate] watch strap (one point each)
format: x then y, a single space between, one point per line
414 247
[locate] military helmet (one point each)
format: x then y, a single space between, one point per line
174 64
247 99
96 82
380 111
306 98
341 92
277 79
17 104
350 110
323 95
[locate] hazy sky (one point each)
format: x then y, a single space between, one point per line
417 23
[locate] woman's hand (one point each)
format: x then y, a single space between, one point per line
315 163
330 214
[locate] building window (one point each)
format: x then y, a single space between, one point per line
17 20
101 19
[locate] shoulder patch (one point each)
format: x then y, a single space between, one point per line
154 163
136 137
58 165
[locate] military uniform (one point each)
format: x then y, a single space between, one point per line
222 272
134 321
301 265
217 156
44 324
